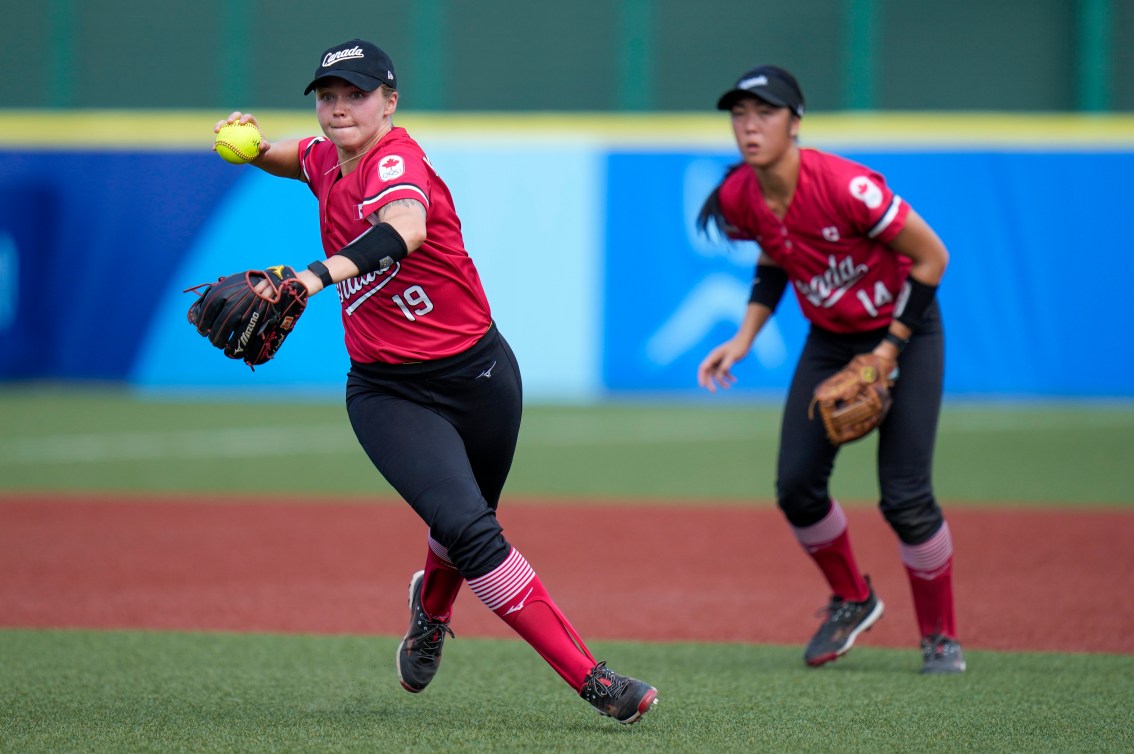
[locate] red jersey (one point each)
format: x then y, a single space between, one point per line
832 240
427 306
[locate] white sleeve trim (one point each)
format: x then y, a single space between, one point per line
371 201
887 217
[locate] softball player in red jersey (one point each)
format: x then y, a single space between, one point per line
865 268
434 391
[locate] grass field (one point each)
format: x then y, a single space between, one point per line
135 691
1057 454
126 691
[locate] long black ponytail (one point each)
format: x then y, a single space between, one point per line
711 209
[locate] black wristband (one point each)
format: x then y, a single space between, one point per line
376 250
322 272
899 343
768 285
913 302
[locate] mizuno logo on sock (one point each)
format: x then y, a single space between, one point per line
519 605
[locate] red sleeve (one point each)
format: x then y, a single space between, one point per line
311 160
863 197
399 173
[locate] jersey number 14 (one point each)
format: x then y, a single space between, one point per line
882 296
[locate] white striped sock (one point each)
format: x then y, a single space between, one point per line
928 559
824 532
497 588
440 551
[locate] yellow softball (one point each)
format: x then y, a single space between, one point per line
238 143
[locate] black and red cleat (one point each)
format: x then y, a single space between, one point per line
843 621
625 699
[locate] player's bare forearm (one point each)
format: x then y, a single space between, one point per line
920 243
929 258
407 216
755 317
339 267
280 158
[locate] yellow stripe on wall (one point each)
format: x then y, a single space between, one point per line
177 130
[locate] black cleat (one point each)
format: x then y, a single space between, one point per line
943 656
625 699
843 623
419 654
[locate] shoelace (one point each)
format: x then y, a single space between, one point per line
595 685
941 647
836 611
432 636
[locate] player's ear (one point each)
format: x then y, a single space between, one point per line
391 101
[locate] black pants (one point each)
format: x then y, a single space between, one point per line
905 442
443 434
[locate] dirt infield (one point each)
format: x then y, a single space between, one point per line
1025 579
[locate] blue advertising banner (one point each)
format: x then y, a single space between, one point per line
599 278
671 293
89 241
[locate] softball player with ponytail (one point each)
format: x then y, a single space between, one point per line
865 269
434 391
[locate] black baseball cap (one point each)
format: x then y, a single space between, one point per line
770 83
357 61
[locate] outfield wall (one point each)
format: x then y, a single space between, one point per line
583 231
585 55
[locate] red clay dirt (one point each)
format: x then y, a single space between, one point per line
1025 579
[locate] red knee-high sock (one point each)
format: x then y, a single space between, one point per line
514 592
441 584
828 544
930 570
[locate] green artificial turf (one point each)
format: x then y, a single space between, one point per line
91 440
84 691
